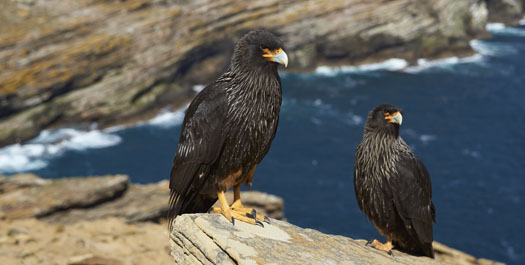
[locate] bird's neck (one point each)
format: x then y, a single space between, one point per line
382 140
262 81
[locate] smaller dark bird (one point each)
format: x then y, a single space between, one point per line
392 186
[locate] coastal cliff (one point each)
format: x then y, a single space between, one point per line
79 63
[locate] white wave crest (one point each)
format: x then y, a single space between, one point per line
198 88
50 144
167 119
424 64
492 48
501 29
394 64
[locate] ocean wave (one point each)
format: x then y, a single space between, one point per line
198 88
50 144
501 29
424 64
394 64
487 48
168 119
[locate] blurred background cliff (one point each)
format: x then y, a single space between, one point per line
114 62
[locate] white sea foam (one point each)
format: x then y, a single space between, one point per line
501 29
198 88
424 64
394 64
167 119
494 27
50 144
492 48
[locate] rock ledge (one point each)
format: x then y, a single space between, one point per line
211 239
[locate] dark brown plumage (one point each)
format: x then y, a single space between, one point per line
228 129
392 185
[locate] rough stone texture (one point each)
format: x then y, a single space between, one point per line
101 242
113 62
508 12
72 200
19 181
60 194
139 203
211 239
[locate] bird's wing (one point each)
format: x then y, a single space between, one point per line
200 143
413 196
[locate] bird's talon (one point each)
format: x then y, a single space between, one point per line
233 221
257 222
390 253
369 242
267 220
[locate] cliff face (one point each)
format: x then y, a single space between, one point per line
508 12
113 62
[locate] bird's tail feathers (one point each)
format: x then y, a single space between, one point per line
174 206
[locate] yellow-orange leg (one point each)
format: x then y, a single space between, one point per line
231 214
238 207
387 247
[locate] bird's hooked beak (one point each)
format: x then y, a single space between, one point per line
396 117
277 55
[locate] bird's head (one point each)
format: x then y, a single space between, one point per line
259 48
385 117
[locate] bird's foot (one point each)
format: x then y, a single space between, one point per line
250 212
225 212
387 247
235 214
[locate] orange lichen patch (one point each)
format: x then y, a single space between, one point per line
82 59
174 12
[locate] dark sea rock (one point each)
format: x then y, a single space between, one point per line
508 12
76 63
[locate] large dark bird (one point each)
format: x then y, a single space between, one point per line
393 186
227 130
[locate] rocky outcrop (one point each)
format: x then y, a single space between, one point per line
72 200
114 62
59 195
508 12
211 239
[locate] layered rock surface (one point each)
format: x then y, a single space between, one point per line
72 200
211 239
113 62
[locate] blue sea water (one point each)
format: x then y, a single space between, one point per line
465 118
